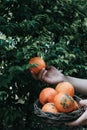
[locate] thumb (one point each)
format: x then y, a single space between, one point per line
33 75
83 102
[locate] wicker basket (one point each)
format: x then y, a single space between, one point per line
60 118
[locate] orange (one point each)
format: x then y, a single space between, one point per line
47 95
65 87
37 64
49 107
64 102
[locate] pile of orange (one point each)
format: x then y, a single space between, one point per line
58 99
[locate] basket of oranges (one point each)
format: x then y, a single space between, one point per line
58 105
55 105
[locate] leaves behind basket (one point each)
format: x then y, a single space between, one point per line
59 118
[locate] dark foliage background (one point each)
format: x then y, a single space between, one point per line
53 29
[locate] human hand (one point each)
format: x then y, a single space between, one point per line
82 120
50 75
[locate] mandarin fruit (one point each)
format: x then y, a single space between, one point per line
49 107
47 95
64 102
65 87
39 64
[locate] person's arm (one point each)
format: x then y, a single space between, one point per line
80 85
52 75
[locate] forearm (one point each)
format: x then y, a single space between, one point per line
79 84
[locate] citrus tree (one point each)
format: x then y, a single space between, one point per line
55 30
